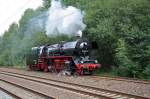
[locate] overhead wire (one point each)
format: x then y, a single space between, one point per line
12 16
25 6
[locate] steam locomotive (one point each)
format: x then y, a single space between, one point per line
68 57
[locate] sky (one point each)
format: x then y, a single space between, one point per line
12 10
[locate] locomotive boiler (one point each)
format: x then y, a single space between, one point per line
71 57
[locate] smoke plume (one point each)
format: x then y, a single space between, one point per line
64 20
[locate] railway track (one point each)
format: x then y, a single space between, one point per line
97 77
13 94
98 93
125 79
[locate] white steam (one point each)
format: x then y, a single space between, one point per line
64 20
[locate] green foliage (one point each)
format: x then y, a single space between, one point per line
122 30
146 72
46 3
127 67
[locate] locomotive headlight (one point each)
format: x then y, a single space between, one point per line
83 44
96 61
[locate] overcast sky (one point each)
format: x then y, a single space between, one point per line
12 10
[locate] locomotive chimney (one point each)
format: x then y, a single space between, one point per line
79 34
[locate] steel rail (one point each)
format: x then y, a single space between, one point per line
25 88
126 79
10 93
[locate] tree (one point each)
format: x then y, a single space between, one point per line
46 3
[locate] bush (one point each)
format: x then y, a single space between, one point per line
146 72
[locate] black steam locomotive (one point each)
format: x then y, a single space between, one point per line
69 57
